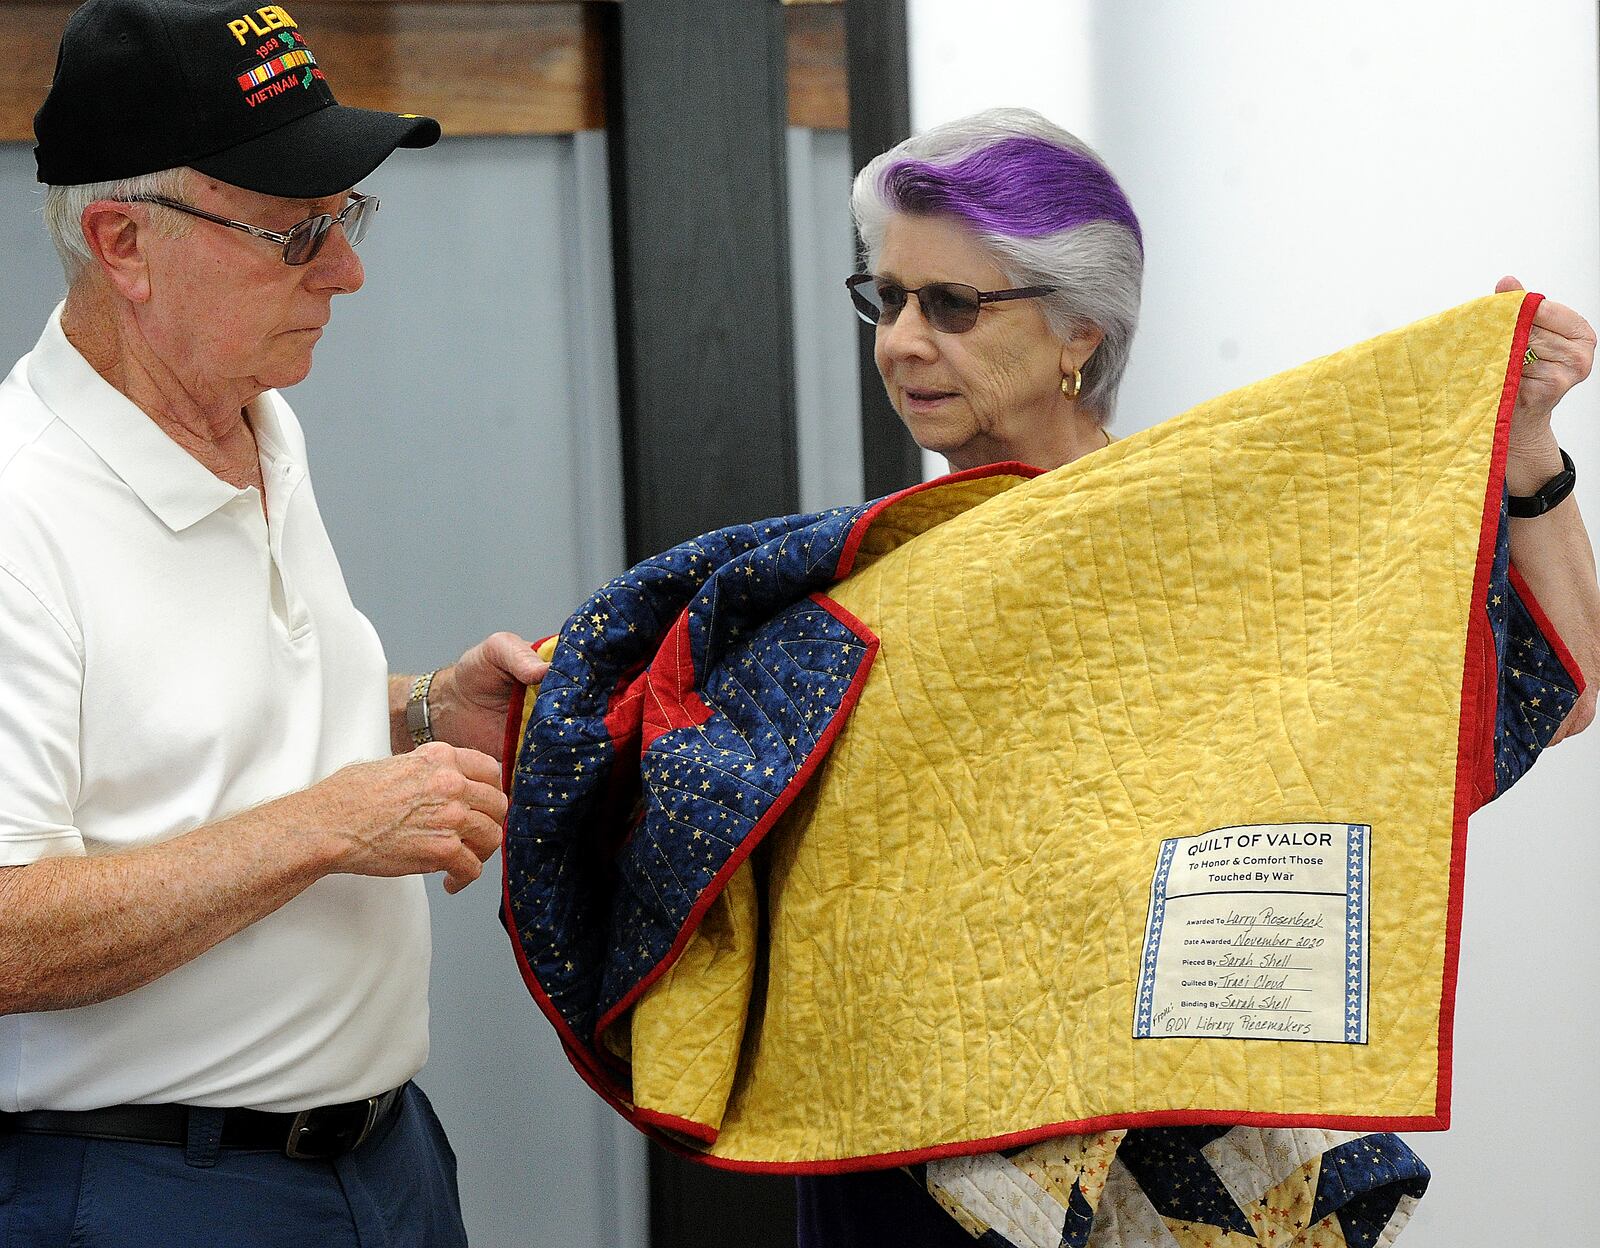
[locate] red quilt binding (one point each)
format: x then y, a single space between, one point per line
1475 742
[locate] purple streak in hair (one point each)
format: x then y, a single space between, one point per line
1020 187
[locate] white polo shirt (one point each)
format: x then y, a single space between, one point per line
169 657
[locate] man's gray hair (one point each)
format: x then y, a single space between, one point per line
64 205
1043 204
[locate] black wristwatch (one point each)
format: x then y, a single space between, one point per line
1549 494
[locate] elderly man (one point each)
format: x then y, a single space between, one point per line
214 936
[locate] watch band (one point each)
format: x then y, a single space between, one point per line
419 721
1548 495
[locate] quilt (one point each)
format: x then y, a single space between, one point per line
1117 808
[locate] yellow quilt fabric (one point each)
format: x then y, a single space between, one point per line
1254 614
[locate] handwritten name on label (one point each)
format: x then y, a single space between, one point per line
1258 933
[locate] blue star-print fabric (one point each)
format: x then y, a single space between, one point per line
683 700
1536 690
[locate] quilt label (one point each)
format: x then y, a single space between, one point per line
1258 932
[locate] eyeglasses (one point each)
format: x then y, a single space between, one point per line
303 240
950 307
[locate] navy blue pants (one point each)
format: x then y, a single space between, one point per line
398 1190
873 1209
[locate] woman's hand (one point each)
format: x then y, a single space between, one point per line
1565 344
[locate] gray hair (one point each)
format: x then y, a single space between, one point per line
64 205
1045 207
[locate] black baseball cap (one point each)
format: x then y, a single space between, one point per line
236 93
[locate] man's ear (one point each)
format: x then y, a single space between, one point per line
116 240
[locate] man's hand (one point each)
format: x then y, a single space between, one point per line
470 698
437 808
76 930
468 702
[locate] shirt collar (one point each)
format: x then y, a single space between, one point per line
267 424
172 483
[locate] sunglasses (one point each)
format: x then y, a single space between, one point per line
950 307
303 240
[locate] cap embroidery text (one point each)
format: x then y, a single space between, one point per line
265 20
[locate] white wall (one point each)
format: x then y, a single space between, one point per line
1308 176
821 255
1022 53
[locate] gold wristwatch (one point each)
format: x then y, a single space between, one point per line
419 722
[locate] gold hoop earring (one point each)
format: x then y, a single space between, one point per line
1077 384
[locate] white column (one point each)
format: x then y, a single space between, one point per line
1020 53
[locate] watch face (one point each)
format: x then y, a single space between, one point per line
1548 496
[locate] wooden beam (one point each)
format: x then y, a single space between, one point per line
819 96
28 37
880 116
701 240
479 66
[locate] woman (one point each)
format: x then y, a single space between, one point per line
1006 204
1004 277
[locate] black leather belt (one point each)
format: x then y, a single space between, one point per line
312 1134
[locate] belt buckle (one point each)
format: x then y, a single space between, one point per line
300 1148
